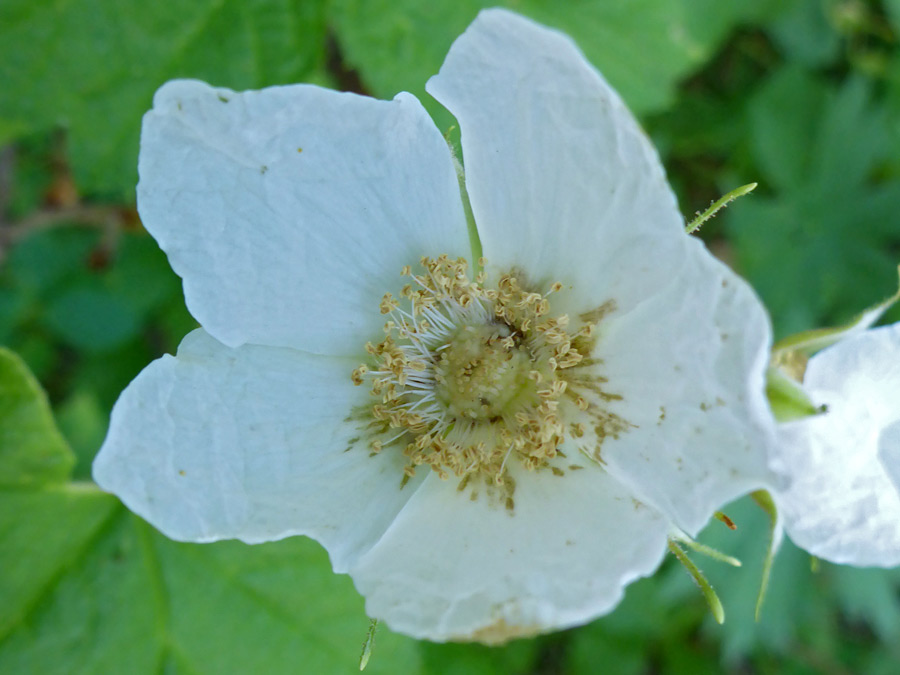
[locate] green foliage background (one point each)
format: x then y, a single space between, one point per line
800 95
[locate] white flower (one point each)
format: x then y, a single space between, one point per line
843 503
598 385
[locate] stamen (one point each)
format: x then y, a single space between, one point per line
469 377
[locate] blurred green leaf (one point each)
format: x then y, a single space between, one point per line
783 126
47 258
517 657
141 276
822 243
32 451
643 47
809 342
656 613
83 421
13 305
65 281
597 652
108 309
106 374
93 65
805 34
893 12
31 161
91 318
38 353
870 595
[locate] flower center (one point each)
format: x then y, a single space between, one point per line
471 377
483 373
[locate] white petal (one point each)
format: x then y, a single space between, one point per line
889 452
562 181
865 368
843 503
689 365
284 247
450 568
252 443
566 186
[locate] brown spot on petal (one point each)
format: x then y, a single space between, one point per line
500 632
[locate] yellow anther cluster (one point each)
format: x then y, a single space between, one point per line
472 377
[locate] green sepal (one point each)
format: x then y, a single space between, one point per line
708 551
709 594
764 500
474 237
787 398
368 645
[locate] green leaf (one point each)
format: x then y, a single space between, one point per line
89 588
136 602
787 398
93 65
32 451
44 532
44 524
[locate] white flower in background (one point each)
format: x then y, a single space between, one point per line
843 502
520 440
